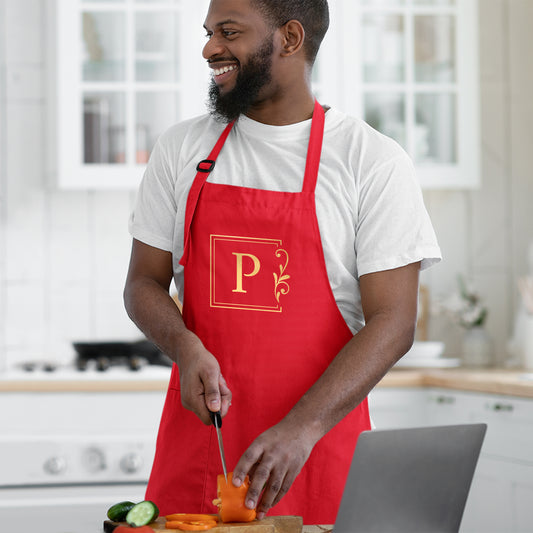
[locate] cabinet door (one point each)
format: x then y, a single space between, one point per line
397 407
446 407
410 69
489 507
503 480
126 70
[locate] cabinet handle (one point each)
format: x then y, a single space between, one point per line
445 399
502 407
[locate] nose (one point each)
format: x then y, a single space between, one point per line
213 47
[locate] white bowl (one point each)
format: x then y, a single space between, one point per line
425 349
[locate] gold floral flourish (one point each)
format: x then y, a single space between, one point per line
280 282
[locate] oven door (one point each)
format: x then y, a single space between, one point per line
62 509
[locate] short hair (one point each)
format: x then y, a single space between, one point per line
313 15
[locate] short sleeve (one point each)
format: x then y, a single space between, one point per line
154 215
393 227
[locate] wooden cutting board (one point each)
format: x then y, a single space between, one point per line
270 524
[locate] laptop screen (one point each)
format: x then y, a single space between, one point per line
410 480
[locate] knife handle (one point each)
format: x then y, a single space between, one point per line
216 419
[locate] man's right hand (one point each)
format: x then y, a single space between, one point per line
150 306
203 387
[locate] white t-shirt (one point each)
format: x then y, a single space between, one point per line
369 204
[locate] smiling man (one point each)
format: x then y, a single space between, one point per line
235 87
295 235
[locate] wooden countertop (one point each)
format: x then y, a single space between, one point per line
496 381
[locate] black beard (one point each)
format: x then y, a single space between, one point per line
251 78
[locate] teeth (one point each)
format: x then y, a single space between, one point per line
219 71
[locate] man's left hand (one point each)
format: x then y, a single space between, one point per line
272 462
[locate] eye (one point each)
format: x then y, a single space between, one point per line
208 35
228 33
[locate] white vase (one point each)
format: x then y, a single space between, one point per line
477 348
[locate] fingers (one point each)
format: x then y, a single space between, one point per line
225 396
277 486
217 395
211 382
269 482
203 388
272 464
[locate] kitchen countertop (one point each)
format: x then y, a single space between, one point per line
151 378
496 381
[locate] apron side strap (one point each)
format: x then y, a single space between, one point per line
314 149
203 170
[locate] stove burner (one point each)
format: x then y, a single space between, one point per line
134 355
46 366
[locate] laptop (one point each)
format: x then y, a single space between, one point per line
413 480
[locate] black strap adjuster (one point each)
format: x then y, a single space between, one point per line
201 166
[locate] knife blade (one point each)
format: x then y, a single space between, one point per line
217 422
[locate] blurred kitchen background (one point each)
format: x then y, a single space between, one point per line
86 86
65 200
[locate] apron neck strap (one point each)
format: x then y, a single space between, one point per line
202 172
210 161
314 149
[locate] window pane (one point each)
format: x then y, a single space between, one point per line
156 46
435 48
156 111
435 126
104 128
433 2
383 48
386 113
383 2
103 46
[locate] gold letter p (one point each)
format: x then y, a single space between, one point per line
240 274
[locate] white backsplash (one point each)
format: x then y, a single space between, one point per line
64 254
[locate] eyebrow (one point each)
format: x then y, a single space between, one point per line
227 21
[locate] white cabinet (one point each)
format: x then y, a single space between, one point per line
125 70
505 467
501 492
122 72
396 408
410 68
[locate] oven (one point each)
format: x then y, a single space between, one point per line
74 443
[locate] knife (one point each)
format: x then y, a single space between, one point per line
217 422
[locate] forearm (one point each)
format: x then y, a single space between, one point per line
354 372
155 313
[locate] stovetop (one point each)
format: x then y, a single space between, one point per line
96 361
71 373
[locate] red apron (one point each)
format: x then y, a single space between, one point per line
258 296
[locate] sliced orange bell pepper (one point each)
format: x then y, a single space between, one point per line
230 500
187 517
196 525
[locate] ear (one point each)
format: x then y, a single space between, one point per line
293 37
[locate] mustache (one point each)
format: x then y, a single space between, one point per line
222 60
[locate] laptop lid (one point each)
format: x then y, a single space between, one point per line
410 480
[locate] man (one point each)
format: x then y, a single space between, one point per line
295 236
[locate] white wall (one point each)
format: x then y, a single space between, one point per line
485 234
63 255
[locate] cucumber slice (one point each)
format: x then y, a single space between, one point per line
118 512
143 513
